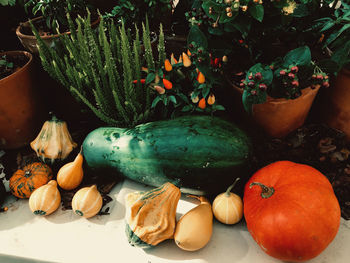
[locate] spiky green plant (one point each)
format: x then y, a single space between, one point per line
102 68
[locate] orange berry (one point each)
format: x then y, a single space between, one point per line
159 89
167 65
202 104
200 77
211 99
173 59
167 84
186 60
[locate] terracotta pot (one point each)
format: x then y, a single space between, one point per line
21 112
29 41
338 111
279 117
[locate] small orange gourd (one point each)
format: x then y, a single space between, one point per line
24 181
228 207
87 202
150 216
45 200
195 228
53 141
71 174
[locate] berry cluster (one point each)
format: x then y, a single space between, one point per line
290 81
320 79
254 84
197 16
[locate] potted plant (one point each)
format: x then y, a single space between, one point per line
279 95
52 20
21 109
336 31
104 73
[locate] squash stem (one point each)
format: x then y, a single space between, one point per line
228 191
266 191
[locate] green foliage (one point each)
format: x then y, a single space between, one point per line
4 63
102 69
136 11
7 2
54 11
283 78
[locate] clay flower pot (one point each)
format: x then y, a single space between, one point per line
338 112
29 41
20 109
279 117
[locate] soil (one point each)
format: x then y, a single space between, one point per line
18 62
314 144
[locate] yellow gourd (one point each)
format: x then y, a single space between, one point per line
71 174
228 207
53 141
45 200
194 229
150 216
87 202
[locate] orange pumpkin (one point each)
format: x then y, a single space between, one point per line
291 211
24 181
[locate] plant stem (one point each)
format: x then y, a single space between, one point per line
228 191
266 191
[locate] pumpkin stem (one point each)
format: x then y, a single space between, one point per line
266 191
228 191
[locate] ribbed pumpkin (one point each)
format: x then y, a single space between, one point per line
228 207
24 181
45 200
291 211
87 202
150 215
53 141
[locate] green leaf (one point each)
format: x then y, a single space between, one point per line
173 99
243 25
205 91
218 107
150 77
247 103
257 11
197 36
301 11
187 108
336 34
300 56
155 101
217 31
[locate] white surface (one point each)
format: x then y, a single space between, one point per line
64 237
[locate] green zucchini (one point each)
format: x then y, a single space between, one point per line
198 154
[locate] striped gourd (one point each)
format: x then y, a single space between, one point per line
45 200
87 202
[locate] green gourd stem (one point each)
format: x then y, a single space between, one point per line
266 191
228 191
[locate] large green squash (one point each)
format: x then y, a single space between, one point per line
199 154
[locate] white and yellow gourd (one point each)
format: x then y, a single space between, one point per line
54 141
46 199
228 207
87 202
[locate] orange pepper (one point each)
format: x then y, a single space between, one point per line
186 60
211 99
189 52
159 89
200 77
173 59
143 81
167 65
167 84
201 103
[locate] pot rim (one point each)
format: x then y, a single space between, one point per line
17 52
305 92
32 37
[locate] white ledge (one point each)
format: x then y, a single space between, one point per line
64 237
